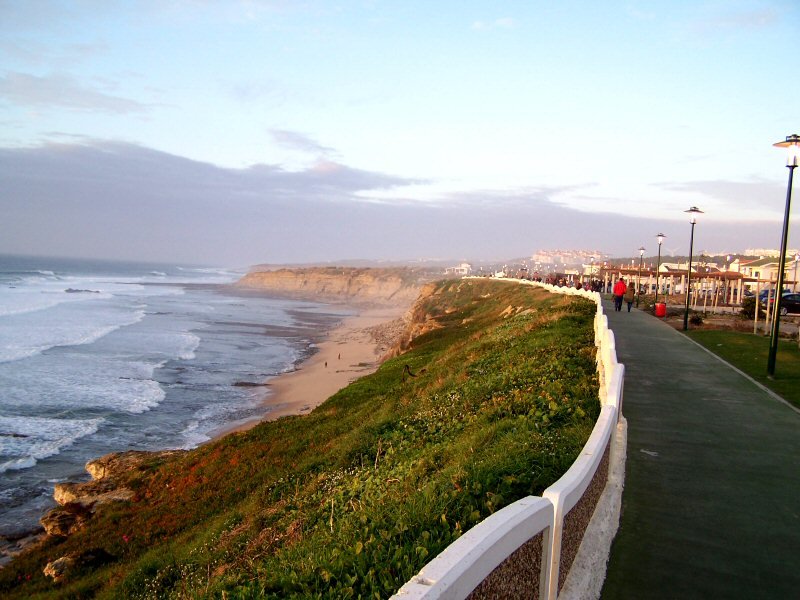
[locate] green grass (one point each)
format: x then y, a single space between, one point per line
749 353
353 499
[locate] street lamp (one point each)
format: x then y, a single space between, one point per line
693 213
660 237
792 143
639 276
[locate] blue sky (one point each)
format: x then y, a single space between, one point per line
610 118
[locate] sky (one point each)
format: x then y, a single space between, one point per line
242 132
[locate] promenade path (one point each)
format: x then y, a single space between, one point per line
711 505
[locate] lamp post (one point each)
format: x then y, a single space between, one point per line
660 237
796 259
693 212
792 142
639 276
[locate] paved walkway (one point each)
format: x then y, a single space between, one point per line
711 507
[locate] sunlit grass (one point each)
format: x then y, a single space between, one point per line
353 499
749 353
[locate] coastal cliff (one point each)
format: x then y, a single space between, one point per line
417 320
329 503
395 286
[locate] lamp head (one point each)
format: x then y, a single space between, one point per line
694 212
792 144
660 238
641 251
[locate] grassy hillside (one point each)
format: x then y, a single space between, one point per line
353 499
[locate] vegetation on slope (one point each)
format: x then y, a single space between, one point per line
353 499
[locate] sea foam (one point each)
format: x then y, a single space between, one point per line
26 440
23 335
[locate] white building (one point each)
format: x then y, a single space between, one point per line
766 269
462 269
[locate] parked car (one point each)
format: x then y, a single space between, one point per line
790 303
764 294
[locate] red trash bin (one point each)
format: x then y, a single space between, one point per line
661 309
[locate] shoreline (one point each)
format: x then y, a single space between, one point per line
347 352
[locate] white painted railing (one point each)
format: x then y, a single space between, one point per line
527 548
472 558
570 491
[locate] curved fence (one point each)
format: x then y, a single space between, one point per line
526 549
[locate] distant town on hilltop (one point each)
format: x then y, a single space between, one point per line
754 265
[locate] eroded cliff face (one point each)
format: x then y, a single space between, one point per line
335 284
416 321
434 302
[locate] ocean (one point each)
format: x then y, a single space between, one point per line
99 357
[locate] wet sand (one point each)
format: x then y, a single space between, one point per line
348 352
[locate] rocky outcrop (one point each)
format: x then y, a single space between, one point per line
111 475
65 520
397 286
118 464
61 568
90 493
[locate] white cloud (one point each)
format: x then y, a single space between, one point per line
297 141
126 201
742 20
64 92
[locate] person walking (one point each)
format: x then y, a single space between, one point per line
619 293
630 296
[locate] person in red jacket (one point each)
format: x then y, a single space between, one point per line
619 292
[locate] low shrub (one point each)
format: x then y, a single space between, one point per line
748 310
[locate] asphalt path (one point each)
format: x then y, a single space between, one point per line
711 505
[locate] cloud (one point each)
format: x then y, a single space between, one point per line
62 91
33 16
756 194
36 53
117 200
251 91
297 141
731 21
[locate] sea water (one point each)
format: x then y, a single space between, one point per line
98 357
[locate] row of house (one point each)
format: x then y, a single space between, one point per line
766 269
733 277
728 282
763 271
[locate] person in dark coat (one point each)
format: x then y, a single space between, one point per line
629 296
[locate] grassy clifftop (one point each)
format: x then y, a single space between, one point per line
491 402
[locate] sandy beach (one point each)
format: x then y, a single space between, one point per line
348 352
